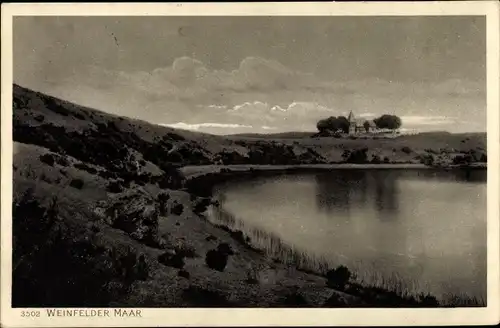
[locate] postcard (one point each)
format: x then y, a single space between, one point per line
250 164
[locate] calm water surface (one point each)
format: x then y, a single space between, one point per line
424 228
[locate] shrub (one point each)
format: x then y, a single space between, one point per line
39 118
47 159
76 183
225 248
202 205
376 159
85 167
216 260
358 156
386 160
62 161
252 276
428 300
114 187
463 159
172 260
239 236
427 159
177 209
185 250
406 150
183 274
54 265
338 278
162 200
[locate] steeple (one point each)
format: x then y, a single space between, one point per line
350 118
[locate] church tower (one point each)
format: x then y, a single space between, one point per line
352 123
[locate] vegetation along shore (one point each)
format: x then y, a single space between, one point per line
111 211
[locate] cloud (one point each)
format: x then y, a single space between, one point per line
367 115
189 78
261 93
220 128
296 115
427 120
198 126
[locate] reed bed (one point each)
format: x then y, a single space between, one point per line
274 247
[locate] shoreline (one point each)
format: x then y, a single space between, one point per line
198 171
200 181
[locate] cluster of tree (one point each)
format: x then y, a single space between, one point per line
341 124
333 124
391 122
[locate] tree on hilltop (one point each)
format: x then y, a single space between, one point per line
366 125
386 121
333 124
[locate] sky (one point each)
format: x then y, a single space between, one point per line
262 74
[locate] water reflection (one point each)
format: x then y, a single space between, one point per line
338 192
426 226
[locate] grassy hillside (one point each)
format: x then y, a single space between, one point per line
102 216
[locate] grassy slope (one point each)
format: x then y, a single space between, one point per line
113 146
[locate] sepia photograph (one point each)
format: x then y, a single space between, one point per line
249 161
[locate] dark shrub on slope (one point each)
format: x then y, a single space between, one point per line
217 258
55 265
76 183
47 159
356 156
339 277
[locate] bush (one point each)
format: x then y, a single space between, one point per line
62 161
85 167
358 156
162 200
216 259
202 205
225 248
76 183
47 159
185 250
428 300
376 159
183 274
114 187
338 278
463 159
406 150
54 265
177 209
172 260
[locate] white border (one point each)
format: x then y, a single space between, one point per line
254 317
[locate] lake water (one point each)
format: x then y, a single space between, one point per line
421 230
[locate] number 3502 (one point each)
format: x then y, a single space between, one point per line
30 314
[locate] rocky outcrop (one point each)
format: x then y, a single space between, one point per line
136 213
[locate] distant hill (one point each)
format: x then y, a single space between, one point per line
282 135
